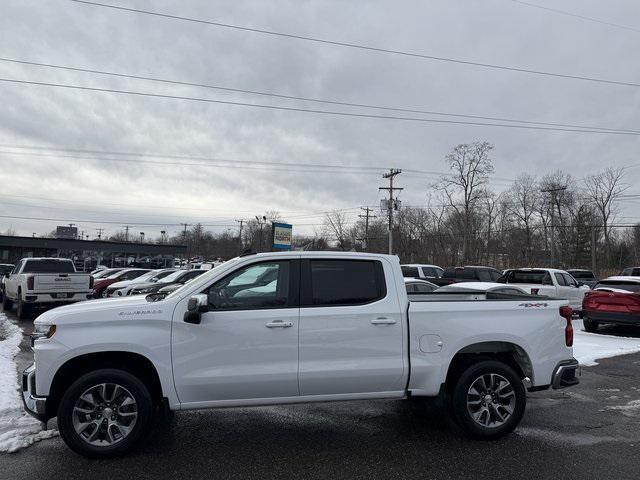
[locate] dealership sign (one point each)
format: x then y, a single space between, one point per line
282 233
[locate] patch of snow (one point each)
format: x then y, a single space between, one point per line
589 347
17 428
630 409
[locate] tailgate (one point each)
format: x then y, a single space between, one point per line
61 282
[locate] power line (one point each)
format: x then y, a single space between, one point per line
307 99
376 170
362 46
309 110
575 15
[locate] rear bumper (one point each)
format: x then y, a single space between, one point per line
34 405
619 318
52 298
565 374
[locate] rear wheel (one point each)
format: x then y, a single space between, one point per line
590 325
6 303
22 309
105 413
488 400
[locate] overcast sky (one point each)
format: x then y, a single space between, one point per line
502 32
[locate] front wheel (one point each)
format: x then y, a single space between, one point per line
105 413
488 400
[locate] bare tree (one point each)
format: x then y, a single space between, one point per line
604 189
470 167
521 201
335 226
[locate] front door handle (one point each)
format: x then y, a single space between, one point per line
383 321
279 324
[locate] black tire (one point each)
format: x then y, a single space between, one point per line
133 385
590 326
6 303
493 428
23 310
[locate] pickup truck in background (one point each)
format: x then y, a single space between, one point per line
583 276
44 282
467 274
326 326
549 282
421 271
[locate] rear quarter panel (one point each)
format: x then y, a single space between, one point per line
535 327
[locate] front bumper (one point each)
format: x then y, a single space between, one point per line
34 405
564 374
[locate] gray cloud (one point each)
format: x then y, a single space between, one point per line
494 31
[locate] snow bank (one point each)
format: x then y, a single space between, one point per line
17 429
588 347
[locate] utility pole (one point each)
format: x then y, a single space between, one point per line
554 193
184 234
261 221
126 233
366 217
594 240
392 173
241 222
100 230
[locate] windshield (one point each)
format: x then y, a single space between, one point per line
620 285
48 266
216 269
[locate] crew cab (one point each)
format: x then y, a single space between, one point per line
326 326
44 282
614 300
549 282
583 276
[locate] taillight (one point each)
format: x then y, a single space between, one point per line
30 282
534 291
91 279
566 312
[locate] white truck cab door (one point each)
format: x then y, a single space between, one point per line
246 345
351 328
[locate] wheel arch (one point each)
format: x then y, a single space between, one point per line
131 362
506 352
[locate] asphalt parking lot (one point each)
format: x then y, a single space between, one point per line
587 432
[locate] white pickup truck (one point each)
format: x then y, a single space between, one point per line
549 282
44 282
291 327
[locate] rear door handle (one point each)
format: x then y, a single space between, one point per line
279 324
383 321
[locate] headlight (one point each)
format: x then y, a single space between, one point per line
42 331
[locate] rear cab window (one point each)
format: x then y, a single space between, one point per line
332 283
48 266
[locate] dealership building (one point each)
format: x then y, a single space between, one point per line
86 254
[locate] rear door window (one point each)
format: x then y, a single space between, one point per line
484 276
410 272
342 282
424 288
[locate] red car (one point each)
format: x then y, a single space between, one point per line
615 300
101 284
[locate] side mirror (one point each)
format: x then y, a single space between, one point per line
196 306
